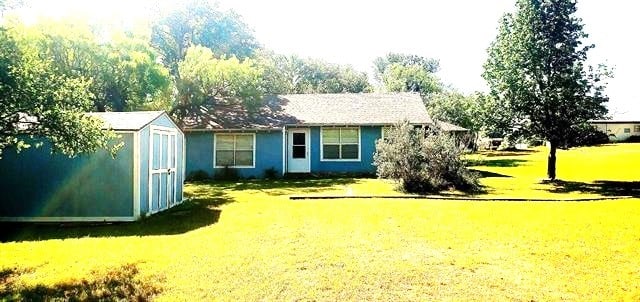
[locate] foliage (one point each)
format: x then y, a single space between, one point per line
206 81
381 64
423 161
536 67
227 173
35 100
198 175
585 135
292 74
271 173
201 23
123 75
411 78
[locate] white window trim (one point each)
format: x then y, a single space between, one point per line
382 131
215 141
322 159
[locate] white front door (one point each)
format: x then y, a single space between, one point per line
298 151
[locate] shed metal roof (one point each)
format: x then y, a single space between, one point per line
135 120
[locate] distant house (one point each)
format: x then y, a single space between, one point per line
304 133
618 130
146 176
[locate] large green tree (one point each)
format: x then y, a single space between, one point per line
36 101
536 67
407 73
292 74
410 78
201 23
207 81
123 74
381 64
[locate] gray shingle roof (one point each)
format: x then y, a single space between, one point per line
127 120
451 127
316 109
356 108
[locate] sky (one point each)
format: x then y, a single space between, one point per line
456 32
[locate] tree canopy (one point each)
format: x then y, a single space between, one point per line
536 68
35 100
407 73
123 74
292 74
201 23
206 81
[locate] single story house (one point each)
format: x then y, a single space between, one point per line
299 133
146 176
618 130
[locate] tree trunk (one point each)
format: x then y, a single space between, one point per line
551 161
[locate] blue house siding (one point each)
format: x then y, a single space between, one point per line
368 137
199 152
268 153
36 183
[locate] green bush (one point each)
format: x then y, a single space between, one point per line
423 161
271 173
586 135
227 173
198 175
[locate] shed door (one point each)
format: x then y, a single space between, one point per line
162 175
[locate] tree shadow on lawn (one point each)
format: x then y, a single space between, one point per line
601 187
119 284
200 211
487 174
505 162
507 153
279 187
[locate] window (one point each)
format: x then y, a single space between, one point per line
627 130
636 128
299 145
340 144
234 150
385 131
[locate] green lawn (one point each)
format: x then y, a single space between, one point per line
249 241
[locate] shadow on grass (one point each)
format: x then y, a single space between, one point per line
506 162
279 187
507 153
120 284
601 187
487 174
200 211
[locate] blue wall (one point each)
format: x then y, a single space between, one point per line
35 183
368 137
268 153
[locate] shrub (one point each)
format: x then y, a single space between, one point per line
423 161
199 175
271 173
586 135
226 173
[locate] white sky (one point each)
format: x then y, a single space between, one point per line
457 32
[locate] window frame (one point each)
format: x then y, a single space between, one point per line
626 130
234 134
636 128
340 159
382 131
